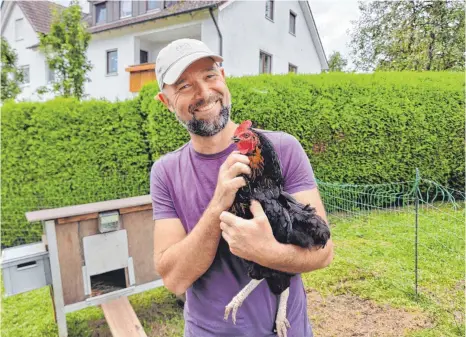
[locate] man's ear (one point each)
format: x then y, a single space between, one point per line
222 71
162 98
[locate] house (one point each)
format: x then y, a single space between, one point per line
22 21
252 36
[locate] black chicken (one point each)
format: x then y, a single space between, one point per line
291 221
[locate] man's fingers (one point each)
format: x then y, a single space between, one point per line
236 157
226 237
237 183
224 226
237 168
229 218
256 209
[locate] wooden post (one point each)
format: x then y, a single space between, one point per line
58 301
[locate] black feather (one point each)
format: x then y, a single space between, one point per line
291 221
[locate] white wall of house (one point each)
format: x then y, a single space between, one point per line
110 86
246 31
27 57
209 34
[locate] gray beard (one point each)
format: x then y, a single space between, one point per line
207 128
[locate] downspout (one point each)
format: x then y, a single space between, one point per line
218 31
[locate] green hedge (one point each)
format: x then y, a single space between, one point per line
355 128
65 152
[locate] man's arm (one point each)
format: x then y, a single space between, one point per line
253 239
294 259
180 258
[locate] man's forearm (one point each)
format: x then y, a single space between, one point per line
293 259
184 262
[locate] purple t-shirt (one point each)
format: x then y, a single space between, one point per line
182 184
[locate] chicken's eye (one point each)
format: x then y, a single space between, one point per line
246 135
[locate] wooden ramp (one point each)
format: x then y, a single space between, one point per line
122 319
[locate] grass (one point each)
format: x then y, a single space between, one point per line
374 259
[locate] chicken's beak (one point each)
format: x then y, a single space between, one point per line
235 139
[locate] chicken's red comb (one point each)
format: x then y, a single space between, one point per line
244 126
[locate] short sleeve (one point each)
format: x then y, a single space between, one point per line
297 170
162 202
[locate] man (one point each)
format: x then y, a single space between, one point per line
192 189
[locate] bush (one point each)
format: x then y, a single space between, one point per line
355 128
65 152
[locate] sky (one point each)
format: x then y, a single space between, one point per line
332 19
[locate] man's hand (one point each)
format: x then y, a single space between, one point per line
247 239
228 182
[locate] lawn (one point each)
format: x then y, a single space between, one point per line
373 268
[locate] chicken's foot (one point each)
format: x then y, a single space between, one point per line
281 321
239 299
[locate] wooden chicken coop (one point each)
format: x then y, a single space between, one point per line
139 75
91 254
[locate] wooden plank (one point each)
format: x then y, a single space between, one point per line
96 207
77 218
58 300
140 229
122 319
140 67
134 82
69 254
147 77
135 209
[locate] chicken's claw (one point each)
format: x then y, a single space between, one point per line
282 325
233 305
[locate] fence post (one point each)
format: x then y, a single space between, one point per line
416 205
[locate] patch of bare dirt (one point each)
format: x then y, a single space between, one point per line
351 316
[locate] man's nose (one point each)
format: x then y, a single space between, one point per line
202 90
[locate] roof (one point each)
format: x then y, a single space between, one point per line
39 14
180 7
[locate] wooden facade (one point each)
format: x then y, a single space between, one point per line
139 75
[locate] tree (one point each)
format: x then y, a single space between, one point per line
336 62
409 35
11 75
65 50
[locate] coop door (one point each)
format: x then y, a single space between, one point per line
106 263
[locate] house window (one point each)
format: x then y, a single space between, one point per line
112 61
153 4
167 4
49 73
143 56
25 72
101 13
125 9
292 68
269 9
19 29
292 23
265 63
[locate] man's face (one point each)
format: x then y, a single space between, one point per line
199 98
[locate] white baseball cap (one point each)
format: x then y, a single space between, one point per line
177 56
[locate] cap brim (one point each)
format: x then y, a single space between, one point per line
175 71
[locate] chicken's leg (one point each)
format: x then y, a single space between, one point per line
239 298
281 321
